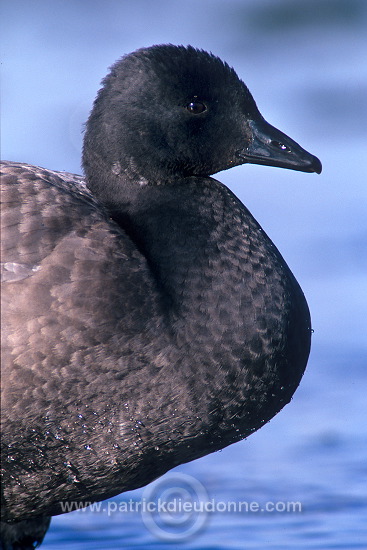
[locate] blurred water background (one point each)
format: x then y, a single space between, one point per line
306 64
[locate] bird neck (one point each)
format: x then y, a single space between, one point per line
189 232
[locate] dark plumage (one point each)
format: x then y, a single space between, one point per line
149 319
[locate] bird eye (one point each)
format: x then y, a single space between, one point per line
196 107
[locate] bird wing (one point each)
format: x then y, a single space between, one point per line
72 279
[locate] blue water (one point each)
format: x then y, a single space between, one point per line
306 64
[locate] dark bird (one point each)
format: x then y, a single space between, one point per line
148 318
